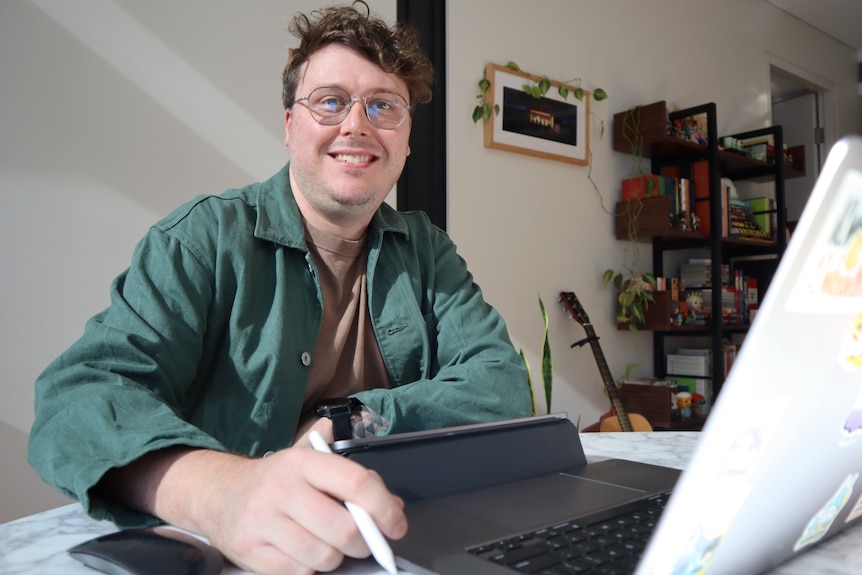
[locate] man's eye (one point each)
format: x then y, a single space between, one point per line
331 103
381 105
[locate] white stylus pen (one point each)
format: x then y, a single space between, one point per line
372 535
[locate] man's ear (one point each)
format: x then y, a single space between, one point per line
287 120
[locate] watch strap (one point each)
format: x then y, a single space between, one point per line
339 411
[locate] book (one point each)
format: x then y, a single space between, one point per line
741 220
645 186
688 365
764 215
700 192
751 295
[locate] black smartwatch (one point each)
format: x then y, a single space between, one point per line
339 410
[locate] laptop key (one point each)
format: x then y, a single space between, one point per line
513 556
606 546
536 564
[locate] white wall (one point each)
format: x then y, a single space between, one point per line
115 111
543 229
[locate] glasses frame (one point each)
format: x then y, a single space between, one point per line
328 120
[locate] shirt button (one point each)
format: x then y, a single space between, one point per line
306 358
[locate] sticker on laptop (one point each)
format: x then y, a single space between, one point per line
851 346
823 519
834 267
852 429
740 457
855 512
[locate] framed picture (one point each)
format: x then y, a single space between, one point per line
549 127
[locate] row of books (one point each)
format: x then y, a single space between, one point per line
739 292
678 189
697 272
751 218
738 300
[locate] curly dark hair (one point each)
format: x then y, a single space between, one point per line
395 50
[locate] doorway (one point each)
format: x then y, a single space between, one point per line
800 107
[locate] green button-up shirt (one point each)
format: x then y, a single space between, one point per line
210 334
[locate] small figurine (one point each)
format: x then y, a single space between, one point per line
694 306
683 400
695 221
681 313
698 404
682 221
674 406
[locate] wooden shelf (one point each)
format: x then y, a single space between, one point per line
654 403
645 128
645 131
738 166
652 218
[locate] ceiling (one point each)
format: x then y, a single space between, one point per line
838 18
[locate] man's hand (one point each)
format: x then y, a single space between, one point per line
280 514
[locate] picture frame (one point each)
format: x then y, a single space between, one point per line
551 127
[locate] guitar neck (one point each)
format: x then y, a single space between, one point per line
607 378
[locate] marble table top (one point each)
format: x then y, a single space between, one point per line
38 543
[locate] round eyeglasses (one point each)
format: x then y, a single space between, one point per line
330 106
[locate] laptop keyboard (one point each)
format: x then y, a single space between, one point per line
603 545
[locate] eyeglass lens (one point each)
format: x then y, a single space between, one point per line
330 106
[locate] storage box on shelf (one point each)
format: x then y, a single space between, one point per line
654 402
646 218
658 313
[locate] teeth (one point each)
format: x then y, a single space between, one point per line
351 159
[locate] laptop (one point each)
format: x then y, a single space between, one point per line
776 469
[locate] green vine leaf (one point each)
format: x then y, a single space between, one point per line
544 85
513 66
478 113
599 94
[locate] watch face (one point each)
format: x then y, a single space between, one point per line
336 405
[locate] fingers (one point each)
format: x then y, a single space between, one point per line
346 480
289 517
290 550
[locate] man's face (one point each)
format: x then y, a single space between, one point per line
341 174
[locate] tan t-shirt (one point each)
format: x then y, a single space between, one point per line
346 357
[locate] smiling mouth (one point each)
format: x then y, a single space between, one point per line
353 158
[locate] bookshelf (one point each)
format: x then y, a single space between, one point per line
645 130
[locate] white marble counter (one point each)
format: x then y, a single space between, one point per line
37 544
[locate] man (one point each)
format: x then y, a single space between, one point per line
243 315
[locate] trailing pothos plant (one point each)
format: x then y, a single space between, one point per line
634 294
537 89
634 288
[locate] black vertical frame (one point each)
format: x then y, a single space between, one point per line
422 185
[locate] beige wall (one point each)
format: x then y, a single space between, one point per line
97 145
543 229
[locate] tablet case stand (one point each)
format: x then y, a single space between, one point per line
434 465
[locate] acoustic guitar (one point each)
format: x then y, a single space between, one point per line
617 419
